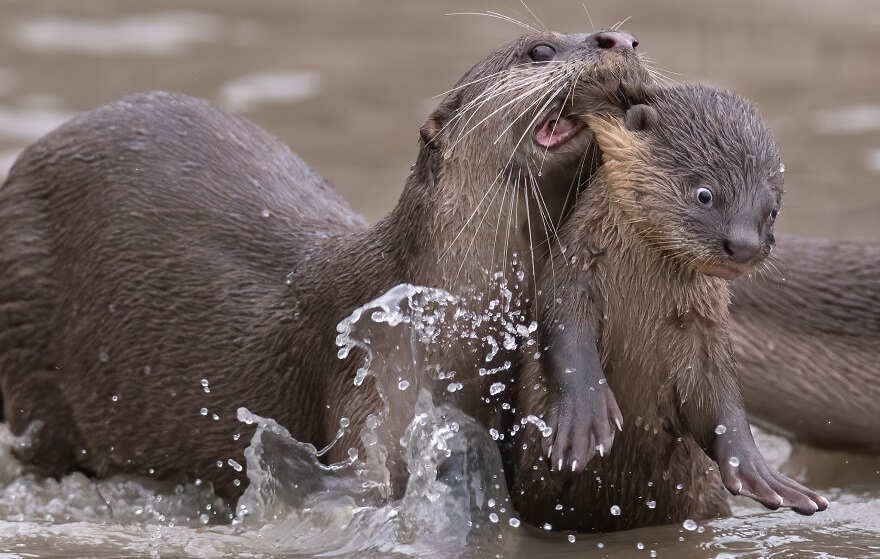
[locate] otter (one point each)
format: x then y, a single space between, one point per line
806 334
165 262
686 200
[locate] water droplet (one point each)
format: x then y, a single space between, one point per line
203 411
454 387
733 461
514 522
782 167
236 482
720 430
114 398
494 434
640 545
403 385
496 388
215 417
600 545
547 526
235 465
265 213
344 423
652 553
571 538
679 486
236 436
493 517
689 525
652 504
558 506
615 510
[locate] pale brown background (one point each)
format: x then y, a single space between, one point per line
378 65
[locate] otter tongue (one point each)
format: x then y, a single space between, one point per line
552 133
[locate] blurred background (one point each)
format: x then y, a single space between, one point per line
347 83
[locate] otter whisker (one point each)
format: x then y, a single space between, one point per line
532 123
534 15
479 224
469 219
496 90
562 105
589 17
504 106
620 23
531 240
504 189
496 15
470 83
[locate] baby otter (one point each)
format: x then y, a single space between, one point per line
686 200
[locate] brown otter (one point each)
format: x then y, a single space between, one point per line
686 199
807 338
165 262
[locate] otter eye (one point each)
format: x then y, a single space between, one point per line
704 196
542 53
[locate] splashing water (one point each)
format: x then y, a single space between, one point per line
295 505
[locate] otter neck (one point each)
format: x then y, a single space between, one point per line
458 223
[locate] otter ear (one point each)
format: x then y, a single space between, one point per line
432 131
640 117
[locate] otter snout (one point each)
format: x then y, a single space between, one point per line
617 40
742 249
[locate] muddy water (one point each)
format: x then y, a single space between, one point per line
346 84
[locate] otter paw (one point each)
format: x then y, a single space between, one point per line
757 480
582 429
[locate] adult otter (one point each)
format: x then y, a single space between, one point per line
807 337
165 262
685 200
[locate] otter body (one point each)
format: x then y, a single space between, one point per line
687 196
807 338
165 262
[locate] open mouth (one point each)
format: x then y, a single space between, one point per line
553 132
724 270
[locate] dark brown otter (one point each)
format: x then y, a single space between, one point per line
806 334
165 262
686 199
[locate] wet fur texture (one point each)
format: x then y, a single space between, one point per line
639 242
160 240
806 335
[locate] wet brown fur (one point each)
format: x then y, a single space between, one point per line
806 334
160 240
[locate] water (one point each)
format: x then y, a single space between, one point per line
456 500
346 84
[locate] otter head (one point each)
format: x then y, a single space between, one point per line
696 171
510 138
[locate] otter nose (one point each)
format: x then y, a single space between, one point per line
619 40
742 249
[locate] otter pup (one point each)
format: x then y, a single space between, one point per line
686 200
164 262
